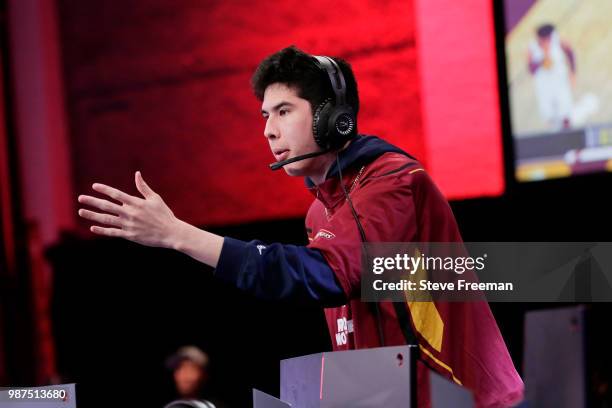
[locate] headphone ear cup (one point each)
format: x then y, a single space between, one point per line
342 126
320 124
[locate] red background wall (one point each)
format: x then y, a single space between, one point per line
460 100
163 87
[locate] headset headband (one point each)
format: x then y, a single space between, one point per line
335 76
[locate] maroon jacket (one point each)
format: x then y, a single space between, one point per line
397 201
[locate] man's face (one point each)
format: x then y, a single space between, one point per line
289 130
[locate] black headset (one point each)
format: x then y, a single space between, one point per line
334 123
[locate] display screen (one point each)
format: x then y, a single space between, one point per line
559 78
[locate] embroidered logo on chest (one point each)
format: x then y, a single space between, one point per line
324 234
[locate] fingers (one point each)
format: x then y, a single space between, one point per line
100 204
107 219
109 232
115 194
142 186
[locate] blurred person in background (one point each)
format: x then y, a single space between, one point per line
190 368
552 64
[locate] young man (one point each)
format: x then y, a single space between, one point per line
365 190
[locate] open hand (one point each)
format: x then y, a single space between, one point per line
147 220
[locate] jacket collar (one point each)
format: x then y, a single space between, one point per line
360 152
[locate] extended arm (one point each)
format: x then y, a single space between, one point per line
273 271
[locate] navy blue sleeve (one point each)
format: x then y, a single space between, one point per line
279 272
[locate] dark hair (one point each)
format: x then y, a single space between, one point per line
294 68
545 30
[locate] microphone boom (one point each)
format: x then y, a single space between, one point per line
280 164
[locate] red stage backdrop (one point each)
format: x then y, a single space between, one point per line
163 87
460 99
